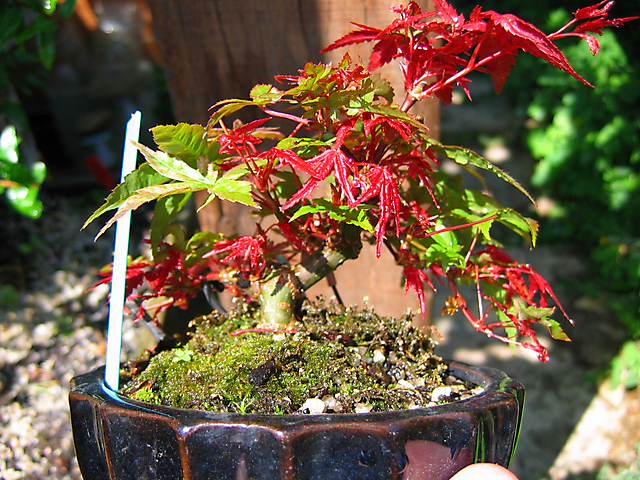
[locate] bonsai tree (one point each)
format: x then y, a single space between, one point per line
351 165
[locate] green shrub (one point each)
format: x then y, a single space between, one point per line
27 50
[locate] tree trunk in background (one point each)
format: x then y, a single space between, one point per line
217 49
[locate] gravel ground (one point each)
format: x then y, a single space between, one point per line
50 330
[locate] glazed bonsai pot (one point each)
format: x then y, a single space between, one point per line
117 438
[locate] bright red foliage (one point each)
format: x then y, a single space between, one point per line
377 181
444 47
245 251
170 276
240 141
333 160
524 299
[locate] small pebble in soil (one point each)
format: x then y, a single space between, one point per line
313 405
440 393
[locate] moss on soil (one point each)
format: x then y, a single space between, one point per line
352 360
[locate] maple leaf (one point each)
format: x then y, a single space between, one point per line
134 275
287 157
383 52
401 128
244 249
319 167
594 24
502 265
438 54
366 34
500 67
240 141
594 10
449 14
378 181
414 279
182 140
513 31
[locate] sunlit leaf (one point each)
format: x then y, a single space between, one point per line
145 195
523 226
341 213
554 328
464 156
142 177
182 140
172 167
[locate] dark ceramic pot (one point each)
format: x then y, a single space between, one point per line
117 438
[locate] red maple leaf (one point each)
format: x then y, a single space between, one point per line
319 167
594 10
378 181
595 23
500 67
449 14
414 279
333 160
401 128
245 249
239 140
439 53
511 30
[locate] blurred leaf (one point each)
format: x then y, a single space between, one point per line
25 200
9 296
9 142
67 8
10 24
553 326
40 25
49 6
164 213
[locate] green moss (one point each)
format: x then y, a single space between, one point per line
145 395
329 353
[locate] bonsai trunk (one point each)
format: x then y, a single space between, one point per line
284 291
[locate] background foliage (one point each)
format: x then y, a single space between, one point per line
27 50
587 146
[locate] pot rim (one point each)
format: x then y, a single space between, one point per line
497 387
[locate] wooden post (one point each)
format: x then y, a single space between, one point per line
217 49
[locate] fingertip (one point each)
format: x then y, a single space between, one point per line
484 471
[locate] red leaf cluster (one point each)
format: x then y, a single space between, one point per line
521 286
443 47
169 276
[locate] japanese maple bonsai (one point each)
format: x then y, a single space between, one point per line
352 167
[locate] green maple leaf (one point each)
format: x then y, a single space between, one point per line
464 156
182 140
340 213
179 179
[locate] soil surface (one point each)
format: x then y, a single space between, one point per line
333 359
